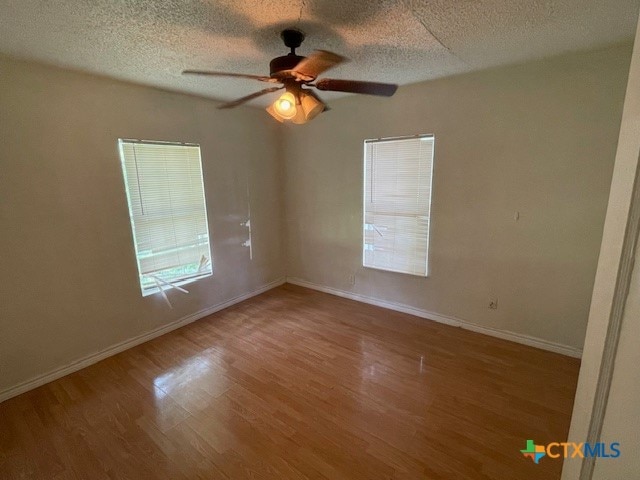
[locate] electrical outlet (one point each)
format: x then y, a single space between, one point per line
493 304
352 279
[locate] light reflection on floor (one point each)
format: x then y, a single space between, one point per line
194 381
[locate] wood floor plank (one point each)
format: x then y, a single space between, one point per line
297 384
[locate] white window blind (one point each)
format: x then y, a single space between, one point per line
166 199
397 203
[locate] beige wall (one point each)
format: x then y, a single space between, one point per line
538 139
70 285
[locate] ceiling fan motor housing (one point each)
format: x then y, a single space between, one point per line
285 63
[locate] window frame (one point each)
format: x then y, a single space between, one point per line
430 136
185 280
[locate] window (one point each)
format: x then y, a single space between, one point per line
397 203
168 214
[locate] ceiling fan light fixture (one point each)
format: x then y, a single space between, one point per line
311 106
285 106
300 117
308 108
272 111
296 106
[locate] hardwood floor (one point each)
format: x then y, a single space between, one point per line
297 384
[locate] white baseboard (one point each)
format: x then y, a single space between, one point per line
447 319
127 344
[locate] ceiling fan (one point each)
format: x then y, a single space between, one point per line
296 74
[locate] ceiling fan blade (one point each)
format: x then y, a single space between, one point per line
234 75
242 100
355 86
316 63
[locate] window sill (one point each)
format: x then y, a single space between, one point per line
151 291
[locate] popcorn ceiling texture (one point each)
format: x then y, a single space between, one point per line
403 41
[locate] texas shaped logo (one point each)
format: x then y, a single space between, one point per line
533 451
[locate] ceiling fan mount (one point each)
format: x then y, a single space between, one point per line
292 38
294 72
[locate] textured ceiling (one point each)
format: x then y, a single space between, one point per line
403 41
